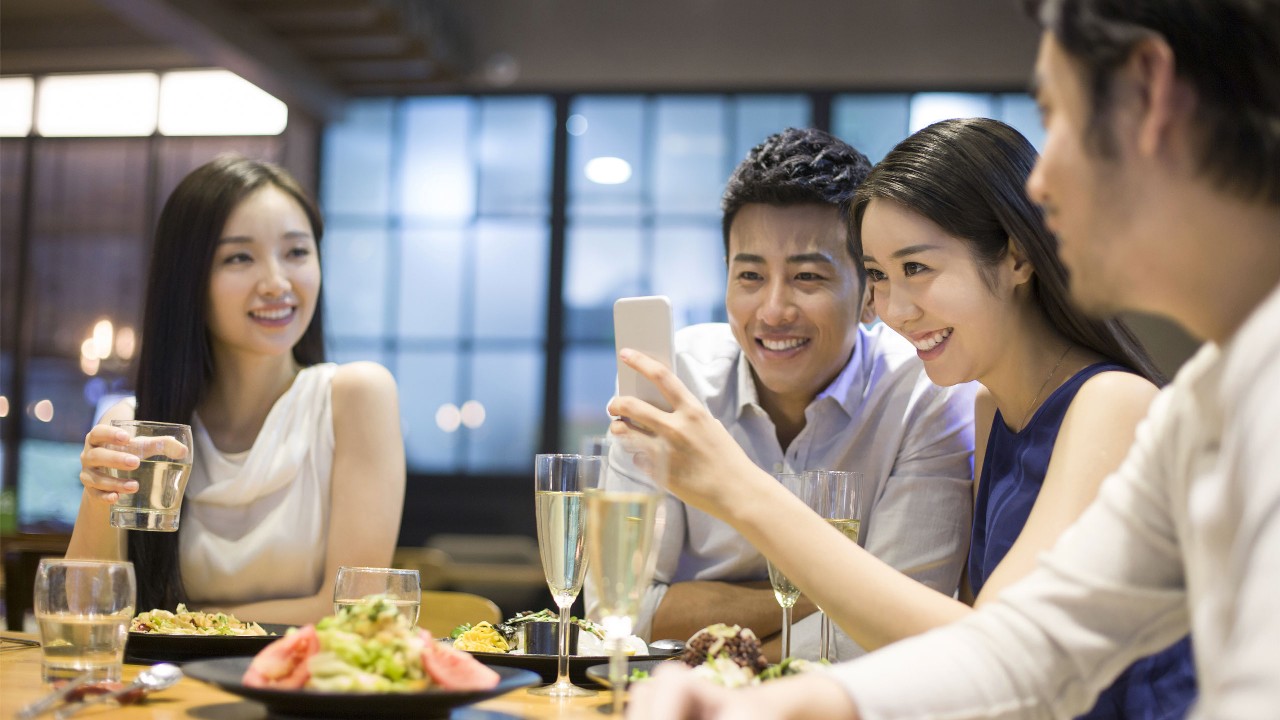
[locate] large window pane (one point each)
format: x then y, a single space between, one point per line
604 263
688 267
690 136
613 127
438 178
508 385
1020 111
355 282
511 279
759 116
515 155
588 380
929 108
432 277
428 381
356 167
872 123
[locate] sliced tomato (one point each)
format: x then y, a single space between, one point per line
453 669
283 663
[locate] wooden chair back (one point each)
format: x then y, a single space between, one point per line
443 610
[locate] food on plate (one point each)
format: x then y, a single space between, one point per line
732 656
480 638
369 647
192 622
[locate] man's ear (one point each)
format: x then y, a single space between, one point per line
868 304
1164 101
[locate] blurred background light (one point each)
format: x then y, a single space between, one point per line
16 97
217 102
97 105
608 170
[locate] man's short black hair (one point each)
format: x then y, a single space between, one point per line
796 167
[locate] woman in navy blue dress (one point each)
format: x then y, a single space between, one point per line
961 263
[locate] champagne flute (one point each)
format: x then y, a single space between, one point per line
402 588
560 483
839 495
785 591
622 522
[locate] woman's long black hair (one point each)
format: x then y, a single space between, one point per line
969 178
175 362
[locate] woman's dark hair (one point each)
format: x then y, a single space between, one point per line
1227 50
175 361
795 167
968 178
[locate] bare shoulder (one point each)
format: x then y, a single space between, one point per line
362 382
984 409
1115 391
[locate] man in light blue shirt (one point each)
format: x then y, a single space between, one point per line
801 385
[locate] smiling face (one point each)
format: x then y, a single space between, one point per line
265 277
929 288
793 298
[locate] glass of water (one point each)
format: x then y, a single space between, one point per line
165 454
83 608
402 588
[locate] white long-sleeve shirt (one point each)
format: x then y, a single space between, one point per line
881 416
1185 534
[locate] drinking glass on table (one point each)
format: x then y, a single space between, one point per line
165 453
623 529
402 588
838 498
84 608
784 591
560 485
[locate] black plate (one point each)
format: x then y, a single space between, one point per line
155 647
227 672
600 673
545 665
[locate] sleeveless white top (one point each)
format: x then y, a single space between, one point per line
255 523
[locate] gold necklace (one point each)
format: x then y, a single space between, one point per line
1027 415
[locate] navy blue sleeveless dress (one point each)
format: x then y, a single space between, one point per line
1156 687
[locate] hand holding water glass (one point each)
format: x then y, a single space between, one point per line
165 452
839 495
402 589
84 608
560 486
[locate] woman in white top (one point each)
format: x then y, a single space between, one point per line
299 464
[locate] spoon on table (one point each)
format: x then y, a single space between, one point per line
156 677
667 646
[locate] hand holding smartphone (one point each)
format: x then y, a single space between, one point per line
644 324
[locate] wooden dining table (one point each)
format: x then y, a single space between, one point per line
20 684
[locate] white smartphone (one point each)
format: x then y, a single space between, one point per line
644 324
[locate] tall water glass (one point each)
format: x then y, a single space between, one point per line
165 453
839 496
83 608
402 589
560 485
785 591
622 538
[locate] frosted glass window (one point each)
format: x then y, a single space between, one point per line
588 379
16 97
614 129
97 105
929 108
217 102
1020 111
356 160
511 279
871 123
428 381
439 173
691 154
759 116
515 155
508 385
355 282
603 263
689 268
432 278
346 352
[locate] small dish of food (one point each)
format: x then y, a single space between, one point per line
182 635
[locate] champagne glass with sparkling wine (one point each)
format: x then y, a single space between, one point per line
839 496
560 485
624 525
785 591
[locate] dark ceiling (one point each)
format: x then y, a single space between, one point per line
316 53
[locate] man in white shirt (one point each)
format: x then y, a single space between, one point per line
800 385
1161 176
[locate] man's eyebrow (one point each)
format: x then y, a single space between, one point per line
813 257
903 252
748 258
